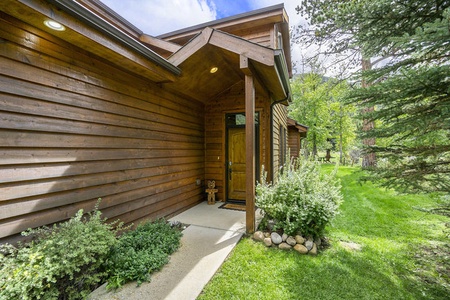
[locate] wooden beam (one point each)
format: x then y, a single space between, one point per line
243 47
249 147
190 48
161 44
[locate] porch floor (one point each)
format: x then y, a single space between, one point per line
207 241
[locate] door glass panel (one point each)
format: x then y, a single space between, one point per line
239 119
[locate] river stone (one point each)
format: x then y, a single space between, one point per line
258 236
299 239
270 224
309 244
284 246
313 250
318 241
276 238
267 234
284 237
300 249
291 241
268 241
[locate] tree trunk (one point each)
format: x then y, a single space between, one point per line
369 159
341 154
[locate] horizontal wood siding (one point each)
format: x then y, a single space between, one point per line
75 128
231 101
279 120
294 142
263 35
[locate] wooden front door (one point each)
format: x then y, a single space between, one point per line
236 164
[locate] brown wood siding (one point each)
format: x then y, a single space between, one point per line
263 35
279 120
231 101
294 142
74 128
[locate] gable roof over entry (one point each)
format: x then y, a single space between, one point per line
186 70
214 48
239 25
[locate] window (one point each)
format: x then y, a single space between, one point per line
239 119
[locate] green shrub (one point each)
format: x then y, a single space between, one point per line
141 252
303 200
63 262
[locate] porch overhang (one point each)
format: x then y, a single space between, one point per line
302 129
86 30
214 48
235 61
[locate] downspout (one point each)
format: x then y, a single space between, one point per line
271 132
281 67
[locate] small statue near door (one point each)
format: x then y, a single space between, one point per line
211 190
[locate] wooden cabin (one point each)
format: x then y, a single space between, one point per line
296 132
99 109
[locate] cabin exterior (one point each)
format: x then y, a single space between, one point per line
102 110
296 132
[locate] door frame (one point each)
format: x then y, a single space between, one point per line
257 148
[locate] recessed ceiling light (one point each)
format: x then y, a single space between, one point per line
54 25
213 70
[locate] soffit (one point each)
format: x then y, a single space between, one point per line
115 46
212 48
234 25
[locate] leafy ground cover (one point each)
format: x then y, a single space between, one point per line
404 254
68 260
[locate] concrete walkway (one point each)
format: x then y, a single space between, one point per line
207 241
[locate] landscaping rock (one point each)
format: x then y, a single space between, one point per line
270 225
291 241
276 238
284 237
309 244
318 242
258 236
313 250
285 246
300 249
267 234
268 241
299 239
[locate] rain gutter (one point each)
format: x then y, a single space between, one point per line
78 11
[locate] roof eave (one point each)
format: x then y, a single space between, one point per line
199 27
80 12
283 73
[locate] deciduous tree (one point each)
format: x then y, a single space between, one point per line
408 86
317 104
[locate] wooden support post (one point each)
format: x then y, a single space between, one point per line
249 145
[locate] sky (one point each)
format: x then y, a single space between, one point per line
155 17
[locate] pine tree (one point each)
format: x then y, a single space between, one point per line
409 90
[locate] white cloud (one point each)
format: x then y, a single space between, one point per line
160 16
156 17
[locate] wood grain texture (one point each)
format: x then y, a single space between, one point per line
75 127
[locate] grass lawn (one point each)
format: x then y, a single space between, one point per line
405 254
